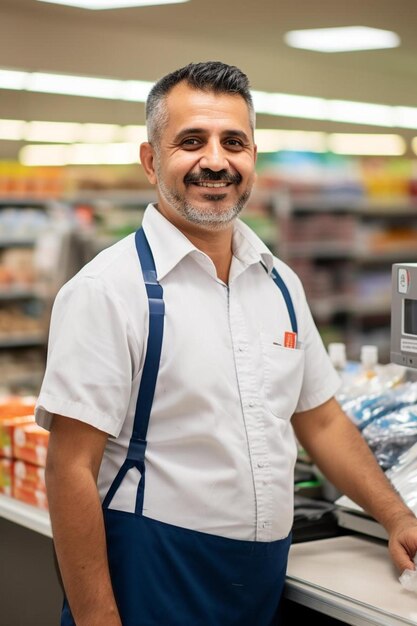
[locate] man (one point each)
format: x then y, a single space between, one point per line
174 387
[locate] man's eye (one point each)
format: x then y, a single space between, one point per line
234 143
191 141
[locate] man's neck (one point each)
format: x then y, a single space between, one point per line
218 246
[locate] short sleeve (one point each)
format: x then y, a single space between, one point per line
89 365
321 381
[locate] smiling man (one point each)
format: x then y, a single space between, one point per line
183 361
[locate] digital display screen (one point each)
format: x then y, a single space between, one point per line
410 317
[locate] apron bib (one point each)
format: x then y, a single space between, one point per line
165 575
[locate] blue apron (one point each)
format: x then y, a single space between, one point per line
165 575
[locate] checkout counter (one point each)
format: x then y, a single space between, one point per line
351 577
346 579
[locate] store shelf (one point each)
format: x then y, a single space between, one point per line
18 293
25 515
24 341
342 247
21 242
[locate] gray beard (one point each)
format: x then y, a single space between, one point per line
208 216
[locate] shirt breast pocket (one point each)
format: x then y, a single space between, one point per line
283 377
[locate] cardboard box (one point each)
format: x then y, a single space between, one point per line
7 426
6 476
30 443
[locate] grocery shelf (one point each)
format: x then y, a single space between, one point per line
25 515
21 242
17 293
22 341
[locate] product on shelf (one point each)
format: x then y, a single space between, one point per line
29 484
6 476
7 428
30 443
14 411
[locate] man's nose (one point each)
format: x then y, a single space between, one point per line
214 157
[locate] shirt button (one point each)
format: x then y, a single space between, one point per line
260 463
264 524
251 403
241 348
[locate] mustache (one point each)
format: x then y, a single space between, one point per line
207 176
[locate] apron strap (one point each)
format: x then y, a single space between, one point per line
287 297
137 446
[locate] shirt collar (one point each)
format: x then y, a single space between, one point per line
169 245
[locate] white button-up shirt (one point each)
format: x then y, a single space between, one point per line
221 449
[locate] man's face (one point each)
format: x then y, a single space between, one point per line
204 163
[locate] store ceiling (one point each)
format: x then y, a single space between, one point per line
145 43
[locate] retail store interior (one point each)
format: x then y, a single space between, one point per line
335 198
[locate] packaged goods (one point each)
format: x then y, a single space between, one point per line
7 427
6 476
30 496
30 443
29 476
14 406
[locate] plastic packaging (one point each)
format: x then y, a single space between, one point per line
408 578
391 435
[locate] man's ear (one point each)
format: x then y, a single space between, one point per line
146 152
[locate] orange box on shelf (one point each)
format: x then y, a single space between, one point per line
14 406
30 443
6 476
28 476
35 497
7 427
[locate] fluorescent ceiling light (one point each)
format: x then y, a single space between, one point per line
360 113
289 106
100 133
387 145
74 85
12 130
273 140
278 104
99 5
133 134
342 39
56 132
69 132
9 79
80 154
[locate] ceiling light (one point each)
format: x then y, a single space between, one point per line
80 154
360 113
405 117
342 39
12 130
134 134
100 5
100 133
74 85
366 144
273 140
289 106
9 79
70 132
57 132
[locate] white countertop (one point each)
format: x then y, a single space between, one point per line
351 578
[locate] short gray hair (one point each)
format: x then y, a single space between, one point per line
209 76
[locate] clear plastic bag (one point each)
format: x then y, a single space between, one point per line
391 435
